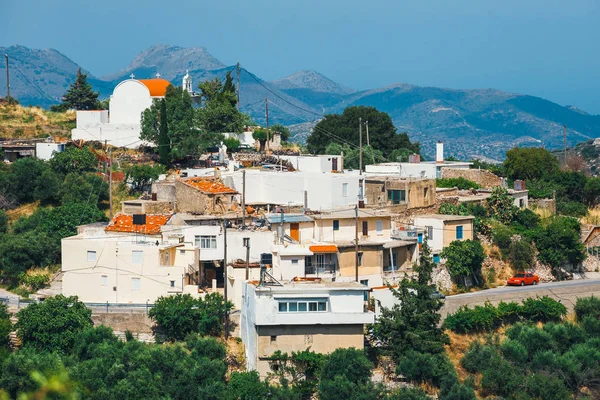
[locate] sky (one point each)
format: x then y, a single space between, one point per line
545 48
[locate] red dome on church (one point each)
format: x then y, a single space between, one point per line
157 87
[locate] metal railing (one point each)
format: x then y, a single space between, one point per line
107 307
317 269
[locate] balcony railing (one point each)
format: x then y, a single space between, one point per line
320 269
406 233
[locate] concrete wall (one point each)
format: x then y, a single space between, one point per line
86 119
325 190
319 338
419 193
146 207
45 151
429 170
111 276
436 243
372 261
319 163
324 229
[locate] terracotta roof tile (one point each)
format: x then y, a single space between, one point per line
157 87
208 186
124 223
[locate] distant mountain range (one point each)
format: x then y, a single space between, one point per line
473 123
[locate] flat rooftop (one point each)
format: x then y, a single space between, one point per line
351 213
302 286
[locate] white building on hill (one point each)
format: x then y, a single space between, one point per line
120 125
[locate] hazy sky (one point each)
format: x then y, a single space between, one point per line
546 48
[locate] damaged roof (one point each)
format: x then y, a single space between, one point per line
124 223
208 186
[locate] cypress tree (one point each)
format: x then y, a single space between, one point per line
164 144
80 95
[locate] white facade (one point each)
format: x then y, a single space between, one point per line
121 125
123 268
323 190
335 304
317 163
45 151
431 170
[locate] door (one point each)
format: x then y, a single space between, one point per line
334 164
295 231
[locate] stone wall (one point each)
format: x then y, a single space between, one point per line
482 177
543 204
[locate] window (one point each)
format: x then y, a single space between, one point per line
135 283
336 224
420 238
430 233
436 258
366 294
345 189
303 306
172 284
91 255
181 251
295 261
273 339
379 226
104 280
459 232
137 257
425 192
396 196
365 228
206 242
360 257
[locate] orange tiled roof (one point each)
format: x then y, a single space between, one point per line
208 186
124 223
157 87
323 248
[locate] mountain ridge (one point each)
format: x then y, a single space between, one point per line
473 122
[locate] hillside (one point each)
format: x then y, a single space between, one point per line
473 123
18 122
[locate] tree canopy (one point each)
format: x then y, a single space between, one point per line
530 163
344 127
80 95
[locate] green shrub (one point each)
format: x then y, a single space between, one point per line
572 208
460 183
425 367
478 319
514 351
34 282
541 386
543 309
587 307
534 339
479 357
509 312
501 378
520 254
502 237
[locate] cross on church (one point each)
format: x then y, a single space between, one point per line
157 75
132 76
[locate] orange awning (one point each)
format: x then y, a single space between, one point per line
323 248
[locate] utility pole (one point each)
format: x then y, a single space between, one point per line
110 195
267 117
244 197
226 322
356 241
565 145
247 245
7 78
237 70
367 126
360 145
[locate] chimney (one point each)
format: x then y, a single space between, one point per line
439 152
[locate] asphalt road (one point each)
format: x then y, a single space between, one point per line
567 292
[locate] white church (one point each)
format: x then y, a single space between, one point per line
120 124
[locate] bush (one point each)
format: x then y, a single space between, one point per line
501 378
572 208
5 325
520 254
479 357
587 307
514 351
178 316
487 317
427 368
460 183
543 309
53 324
502 237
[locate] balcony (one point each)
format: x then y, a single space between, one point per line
409 233
320 269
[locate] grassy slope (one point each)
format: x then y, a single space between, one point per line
18 122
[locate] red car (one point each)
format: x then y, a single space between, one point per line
524 279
